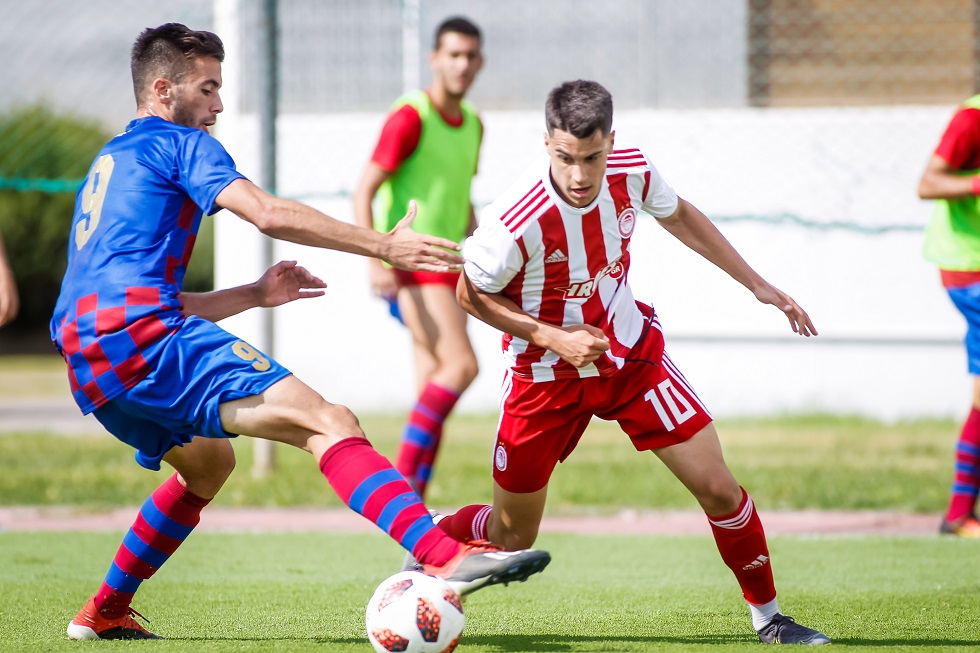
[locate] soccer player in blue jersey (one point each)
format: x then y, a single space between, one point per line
148 361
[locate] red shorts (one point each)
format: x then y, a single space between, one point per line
406 278
541 423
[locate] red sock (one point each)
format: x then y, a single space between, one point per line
423 434
742 544
966 477
164 522
370 486
468 523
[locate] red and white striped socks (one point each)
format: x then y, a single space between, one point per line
741 541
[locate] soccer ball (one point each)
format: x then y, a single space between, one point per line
411 612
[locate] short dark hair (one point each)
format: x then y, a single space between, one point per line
457 25
168 51
579 108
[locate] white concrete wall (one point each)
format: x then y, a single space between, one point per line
890 340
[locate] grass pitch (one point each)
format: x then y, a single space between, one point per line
802 462
307 592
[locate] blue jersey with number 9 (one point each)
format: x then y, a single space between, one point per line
136 219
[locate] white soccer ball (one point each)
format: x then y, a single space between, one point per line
411 612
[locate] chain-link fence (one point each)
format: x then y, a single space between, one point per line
800 126
358 55
349 55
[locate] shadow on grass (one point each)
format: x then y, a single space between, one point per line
563 642
531 643
969 644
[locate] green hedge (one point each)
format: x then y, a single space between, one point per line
43 159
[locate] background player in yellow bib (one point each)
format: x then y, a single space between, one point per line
952 242
428 152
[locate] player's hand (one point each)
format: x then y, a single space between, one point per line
408 250
582 344
798 319
284 282
383 281
9 299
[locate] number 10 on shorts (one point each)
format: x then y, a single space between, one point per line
666 399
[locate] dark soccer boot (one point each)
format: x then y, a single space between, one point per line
783 630
480 564
968 527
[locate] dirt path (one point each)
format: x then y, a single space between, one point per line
624 523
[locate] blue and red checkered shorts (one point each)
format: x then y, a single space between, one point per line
967 300
200 367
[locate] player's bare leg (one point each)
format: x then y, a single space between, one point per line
445 366
699 464
425 364
438 324
516 517
293 413
203 465
512 522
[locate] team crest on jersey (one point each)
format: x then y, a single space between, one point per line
500 458
627 221
585 289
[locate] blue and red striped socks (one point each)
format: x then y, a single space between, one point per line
371 487
423 433
165 520
966 478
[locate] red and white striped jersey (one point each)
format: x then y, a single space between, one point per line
565 265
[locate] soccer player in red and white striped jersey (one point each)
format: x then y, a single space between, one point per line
549 266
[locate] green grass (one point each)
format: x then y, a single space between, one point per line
307 592
33 376
790 462
803 462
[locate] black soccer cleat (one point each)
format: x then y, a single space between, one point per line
784 630
481 564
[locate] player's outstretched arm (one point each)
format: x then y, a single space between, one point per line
694 229
298 223
578 345
380 277
9 299
283 282
941 182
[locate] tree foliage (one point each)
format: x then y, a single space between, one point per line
44 158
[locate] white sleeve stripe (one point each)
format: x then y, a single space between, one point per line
517 221
522 203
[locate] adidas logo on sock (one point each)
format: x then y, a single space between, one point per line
758 562
556 256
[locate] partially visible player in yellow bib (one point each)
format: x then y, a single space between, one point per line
428 152
952 242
